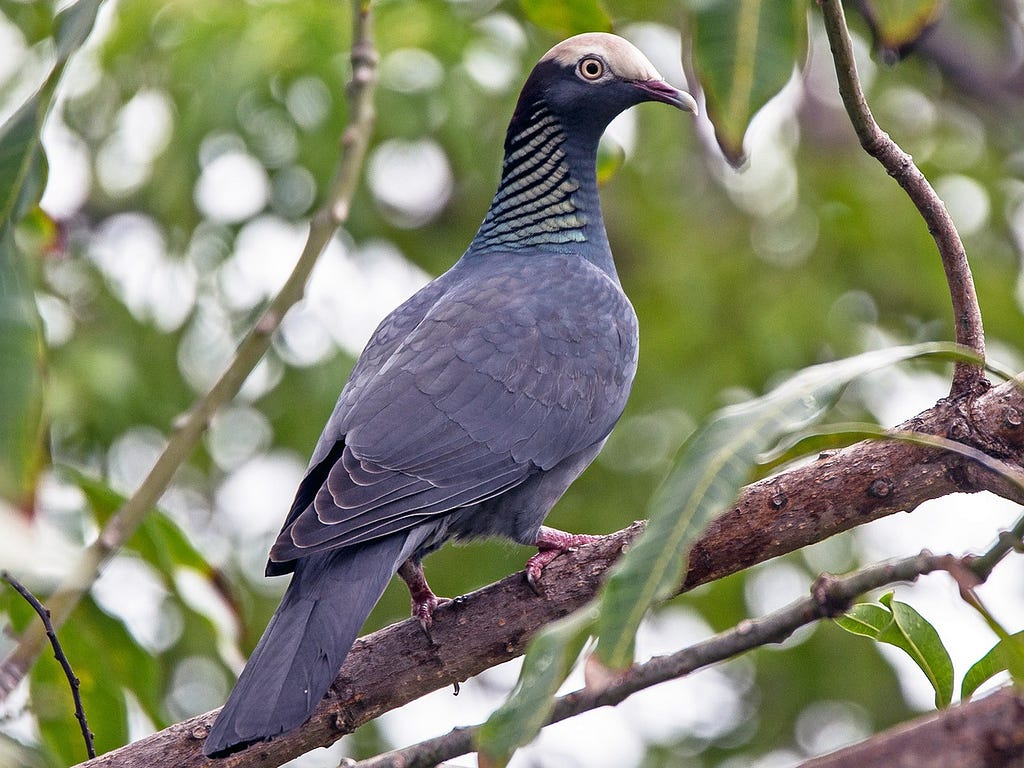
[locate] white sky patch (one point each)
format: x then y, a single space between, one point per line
966 200
411 181
351 293
303 339
58 320
308 101
131 251
663 46
70 177
237 434
411 70
129 589
254 498
265 253
232 187
142 131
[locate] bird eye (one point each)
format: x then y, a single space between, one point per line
590 68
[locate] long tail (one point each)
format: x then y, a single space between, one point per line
296 660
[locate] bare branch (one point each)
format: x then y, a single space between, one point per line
899 165
988 733
780 514
190 428
58 653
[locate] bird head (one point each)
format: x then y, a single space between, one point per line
589 79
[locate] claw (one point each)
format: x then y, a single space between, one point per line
550 544
424 601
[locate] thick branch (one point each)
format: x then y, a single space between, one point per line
899 165
191 426
987 733
829 597
396 665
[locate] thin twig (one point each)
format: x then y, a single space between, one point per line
830 596
899 165
1008 541
59 655
189 429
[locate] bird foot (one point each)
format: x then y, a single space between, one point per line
424 601
550 544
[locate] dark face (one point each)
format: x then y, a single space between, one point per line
590 93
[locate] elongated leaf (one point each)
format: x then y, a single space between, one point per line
708 474
900 625
21 378
22 179
567 17
744 53
714 463
159 540
999 659
548 660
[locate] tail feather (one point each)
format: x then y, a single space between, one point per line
296 660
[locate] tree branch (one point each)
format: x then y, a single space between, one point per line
899 165
58 653
191 426
830 596
780 514
987 733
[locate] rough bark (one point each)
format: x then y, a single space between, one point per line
987 733
780 514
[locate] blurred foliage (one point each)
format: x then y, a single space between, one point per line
143 269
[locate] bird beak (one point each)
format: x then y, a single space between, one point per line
659 90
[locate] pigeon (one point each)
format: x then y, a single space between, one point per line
474 405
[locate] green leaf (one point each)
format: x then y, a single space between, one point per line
159 540
22 179
714 463
711 468
1007 653
21 378
897 24
744 52
568 17
900 625
549 658
72 26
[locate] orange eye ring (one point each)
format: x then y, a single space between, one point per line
591 68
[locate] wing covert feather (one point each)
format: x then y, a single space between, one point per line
504 371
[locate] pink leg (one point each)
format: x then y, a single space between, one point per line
550 544
424 601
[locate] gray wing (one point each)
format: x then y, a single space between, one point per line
518 364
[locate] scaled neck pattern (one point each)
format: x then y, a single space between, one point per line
547 198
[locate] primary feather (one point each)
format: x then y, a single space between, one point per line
475 404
